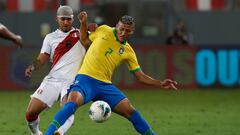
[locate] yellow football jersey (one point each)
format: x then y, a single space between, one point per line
106 53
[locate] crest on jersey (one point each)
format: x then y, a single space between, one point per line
121 51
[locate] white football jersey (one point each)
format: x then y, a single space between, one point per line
66 53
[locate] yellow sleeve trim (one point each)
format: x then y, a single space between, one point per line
135 70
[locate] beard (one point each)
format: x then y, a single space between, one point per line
66 29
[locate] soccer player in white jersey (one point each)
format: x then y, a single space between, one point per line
66 51
7 34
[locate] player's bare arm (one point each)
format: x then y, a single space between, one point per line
166 83
41 60
82 17
7 34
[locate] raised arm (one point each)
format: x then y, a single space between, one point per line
166 83
82 17
7 34
41 60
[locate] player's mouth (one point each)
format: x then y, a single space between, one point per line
121 38
65 28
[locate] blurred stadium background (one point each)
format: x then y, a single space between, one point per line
207 69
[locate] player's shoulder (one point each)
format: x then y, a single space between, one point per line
75 30
104 28
127 44
128 47
52 34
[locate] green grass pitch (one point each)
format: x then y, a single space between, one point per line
189 112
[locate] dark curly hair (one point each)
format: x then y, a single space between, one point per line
126 19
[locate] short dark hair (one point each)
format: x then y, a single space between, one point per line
126 19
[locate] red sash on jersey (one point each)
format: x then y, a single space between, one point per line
64 46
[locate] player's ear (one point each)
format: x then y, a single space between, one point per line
117 25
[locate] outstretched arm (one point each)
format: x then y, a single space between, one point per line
41 60
82 17
7 34
166 83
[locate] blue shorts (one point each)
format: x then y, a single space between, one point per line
93 90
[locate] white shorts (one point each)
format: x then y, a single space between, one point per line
51 90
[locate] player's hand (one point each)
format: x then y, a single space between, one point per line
29 70
169 84
92 27
18 41
82 17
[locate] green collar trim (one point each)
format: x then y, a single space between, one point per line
115 34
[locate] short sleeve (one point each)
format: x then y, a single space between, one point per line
132 62
97 32
46 48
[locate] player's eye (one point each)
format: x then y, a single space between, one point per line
128 31
69 19
65 18
121 29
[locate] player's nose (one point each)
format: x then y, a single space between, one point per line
124 32
65 21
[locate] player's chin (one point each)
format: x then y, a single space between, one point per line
66 29
122 39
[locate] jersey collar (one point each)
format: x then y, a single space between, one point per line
115 35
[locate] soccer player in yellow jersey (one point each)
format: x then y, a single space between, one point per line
109 48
